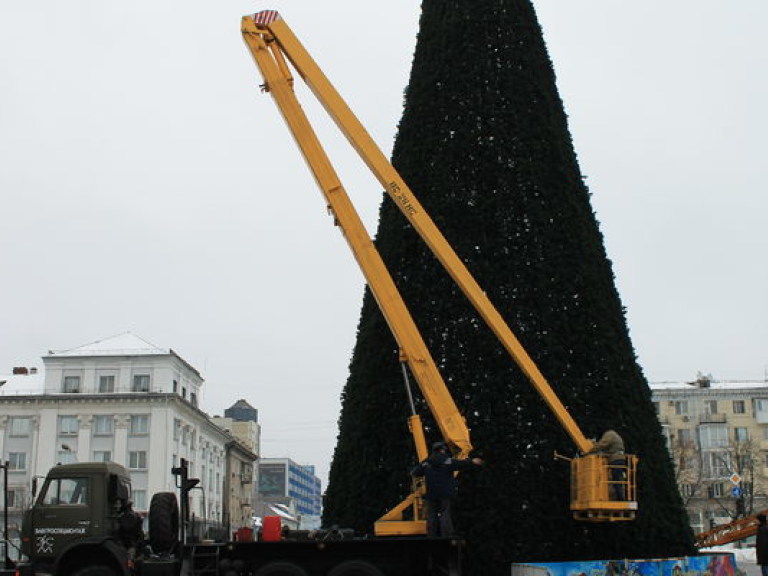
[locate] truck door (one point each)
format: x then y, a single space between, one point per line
63 514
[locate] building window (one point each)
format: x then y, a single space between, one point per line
17 461
103 425
139 499
71 384
68 425
15 497
139 425
20 426
716 464
741 434
743 463
66 456
684 436
713 436
193 399
710 406
175 386
715 490
137 460
681 407
106 384
667 436
739 407
140 383
176 428
102 455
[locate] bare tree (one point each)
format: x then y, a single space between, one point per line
726 481
689 470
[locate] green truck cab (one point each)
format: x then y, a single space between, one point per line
81 523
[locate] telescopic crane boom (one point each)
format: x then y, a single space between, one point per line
273 45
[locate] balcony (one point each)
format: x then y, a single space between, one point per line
712 419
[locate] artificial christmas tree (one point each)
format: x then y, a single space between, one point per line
484 144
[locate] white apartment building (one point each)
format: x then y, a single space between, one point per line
126 400
717 435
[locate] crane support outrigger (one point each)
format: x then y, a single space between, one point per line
273 45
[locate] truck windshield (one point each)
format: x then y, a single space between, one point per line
66 492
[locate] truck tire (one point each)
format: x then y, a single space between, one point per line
95 570
280 568
163 523
355 568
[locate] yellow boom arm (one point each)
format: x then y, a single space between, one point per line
272 44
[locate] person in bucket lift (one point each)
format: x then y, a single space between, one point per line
611 445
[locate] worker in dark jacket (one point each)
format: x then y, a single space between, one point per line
438 472
611 445
761 546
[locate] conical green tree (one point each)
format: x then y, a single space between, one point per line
484 144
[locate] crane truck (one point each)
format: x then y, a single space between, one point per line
274 46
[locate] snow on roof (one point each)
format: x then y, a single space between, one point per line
21 385
711 385
126 344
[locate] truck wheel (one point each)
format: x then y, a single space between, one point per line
355 568
96 570
280 569
163 522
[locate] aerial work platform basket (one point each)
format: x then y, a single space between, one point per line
603 490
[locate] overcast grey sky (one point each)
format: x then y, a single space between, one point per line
147 185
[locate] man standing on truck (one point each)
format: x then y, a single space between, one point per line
438 472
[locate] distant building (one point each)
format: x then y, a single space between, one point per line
241 421
282 481
717 435
126 400
242 411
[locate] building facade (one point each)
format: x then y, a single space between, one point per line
124 400
717 435
285 483
241 421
